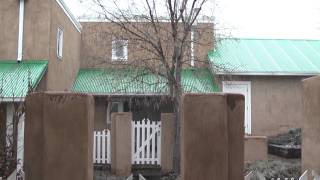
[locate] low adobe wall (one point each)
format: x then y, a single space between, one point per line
212 131
255 148
311 124
58 136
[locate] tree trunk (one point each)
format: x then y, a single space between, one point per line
176 147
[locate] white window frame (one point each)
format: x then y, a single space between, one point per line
248 110
60 43
125 50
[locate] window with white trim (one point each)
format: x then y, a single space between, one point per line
59 43
119 50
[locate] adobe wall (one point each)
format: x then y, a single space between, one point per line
62 73
167 141
9 29
276 103
96 45
212 131
311 124
121 144
58 136
255 148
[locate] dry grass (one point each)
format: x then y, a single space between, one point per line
275 167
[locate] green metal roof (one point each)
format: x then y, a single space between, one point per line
266 57
120 81
17 78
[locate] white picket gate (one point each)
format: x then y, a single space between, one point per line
101 147
146 142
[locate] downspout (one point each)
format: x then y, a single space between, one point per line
192 47
21 27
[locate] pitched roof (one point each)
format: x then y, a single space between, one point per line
120 81
266 57
16 78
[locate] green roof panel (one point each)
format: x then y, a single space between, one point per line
16 78
120 81
266 56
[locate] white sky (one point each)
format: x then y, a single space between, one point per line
297 19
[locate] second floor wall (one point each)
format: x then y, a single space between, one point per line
101 39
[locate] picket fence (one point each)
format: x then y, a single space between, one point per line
101 147
146 142
304 176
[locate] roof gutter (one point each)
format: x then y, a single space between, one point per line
21 28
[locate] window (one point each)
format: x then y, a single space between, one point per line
59 43
119 50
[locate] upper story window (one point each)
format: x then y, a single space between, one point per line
59 43
119 50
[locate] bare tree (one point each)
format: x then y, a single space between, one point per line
164 35
12 114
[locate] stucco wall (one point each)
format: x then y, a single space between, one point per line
58 136
212 131
311 125
62 73
9 29
36 29
96 45
276 103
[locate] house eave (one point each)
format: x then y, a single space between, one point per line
269 73
71 17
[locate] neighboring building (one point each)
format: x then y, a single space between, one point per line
269 74
39 50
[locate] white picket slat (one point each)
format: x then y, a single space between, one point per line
153 145
133 130
108 147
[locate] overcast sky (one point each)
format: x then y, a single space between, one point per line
297 19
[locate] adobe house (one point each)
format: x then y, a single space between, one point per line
269 73
46 48
101 75
39 50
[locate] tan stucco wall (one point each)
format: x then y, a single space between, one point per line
255 148
96 45
62 73
212 131
276 103
36 29
121 144
58 136
9 29
311 125
41 21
